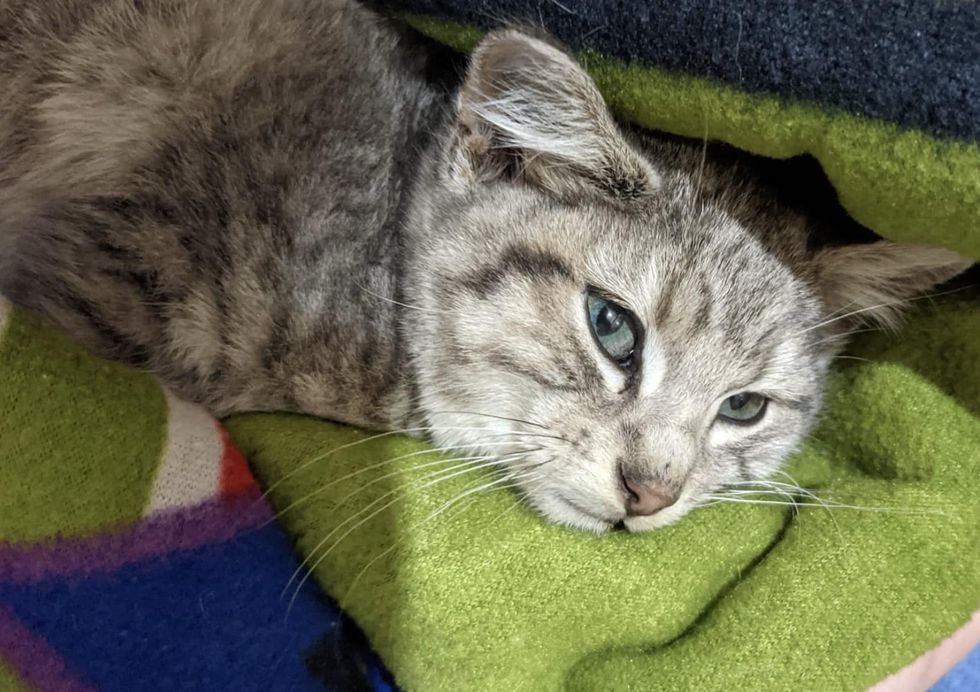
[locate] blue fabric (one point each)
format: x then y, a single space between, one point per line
965 677
212 618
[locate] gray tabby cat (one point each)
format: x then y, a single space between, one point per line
291 205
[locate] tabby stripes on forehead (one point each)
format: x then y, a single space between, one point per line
514 365
520 260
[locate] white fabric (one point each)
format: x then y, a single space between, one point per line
190 471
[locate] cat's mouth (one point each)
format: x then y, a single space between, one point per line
573 514
655 521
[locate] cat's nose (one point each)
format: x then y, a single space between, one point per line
644 499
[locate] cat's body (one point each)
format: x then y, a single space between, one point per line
293 205
216 192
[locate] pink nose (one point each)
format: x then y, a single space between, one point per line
644 499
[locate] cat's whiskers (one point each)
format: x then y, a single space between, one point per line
507 478
857 358
513 484
309 462
777 486
432 516
511 438
793 483
722 497
886 304
845 335
399 303
378 479
429 480
426 481
795 487
789 490
348 445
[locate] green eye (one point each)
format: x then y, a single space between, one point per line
613 328
744 408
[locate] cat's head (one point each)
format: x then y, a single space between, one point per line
624 333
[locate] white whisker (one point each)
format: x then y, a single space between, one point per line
827 505
349 445
886 304
396 302
429 481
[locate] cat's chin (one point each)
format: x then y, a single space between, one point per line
580 521
559 510
656 521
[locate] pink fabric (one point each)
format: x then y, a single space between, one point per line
925 671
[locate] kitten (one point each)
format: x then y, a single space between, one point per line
292 205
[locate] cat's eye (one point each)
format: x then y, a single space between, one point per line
743 408
614 328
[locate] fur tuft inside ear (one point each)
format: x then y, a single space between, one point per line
528 111
873 282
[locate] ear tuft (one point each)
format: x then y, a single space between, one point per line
528 111
873 282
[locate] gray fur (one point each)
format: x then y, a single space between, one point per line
293 205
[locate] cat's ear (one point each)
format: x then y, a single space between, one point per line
873 281
527 111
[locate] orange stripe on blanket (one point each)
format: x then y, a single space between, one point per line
236 477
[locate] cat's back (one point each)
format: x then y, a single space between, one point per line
174 172
94 89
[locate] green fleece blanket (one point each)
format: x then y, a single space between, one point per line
481 594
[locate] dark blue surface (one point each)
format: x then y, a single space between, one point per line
911 62
207 619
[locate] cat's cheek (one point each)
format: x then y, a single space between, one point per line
555 510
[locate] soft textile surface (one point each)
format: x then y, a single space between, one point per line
136 552
484 596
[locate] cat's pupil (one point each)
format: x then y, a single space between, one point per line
609 321
738 401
